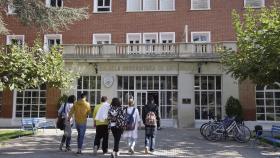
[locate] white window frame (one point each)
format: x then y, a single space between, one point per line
209 6
95 35
262 1
11 10
95 7
205 32
215 90
133 34
173 6
157 5
265 106
48 3
142 6
15 104
10 37
51 36
167 33
149 33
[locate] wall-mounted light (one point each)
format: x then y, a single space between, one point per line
199 67
95 67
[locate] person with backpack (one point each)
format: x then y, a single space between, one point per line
132 123
116 118
150 117
101 125
64 111
81 110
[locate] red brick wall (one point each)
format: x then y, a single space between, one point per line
247 97
119 22
53 95
7 104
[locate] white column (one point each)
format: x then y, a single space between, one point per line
185 92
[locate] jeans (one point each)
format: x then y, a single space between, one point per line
102 132
131 142
67 135
117 133
150 137
81 134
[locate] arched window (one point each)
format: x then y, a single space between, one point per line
268 102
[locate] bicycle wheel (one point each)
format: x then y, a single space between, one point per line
213 132
202 129
242 133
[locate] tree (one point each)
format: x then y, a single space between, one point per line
35 13
29 67
258 43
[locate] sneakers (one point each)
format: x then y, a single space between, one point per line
146 150
95 150
68 149
131 150
115 154
79 151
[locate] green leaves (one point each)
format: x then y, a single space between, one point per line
24 67
35 13
258 43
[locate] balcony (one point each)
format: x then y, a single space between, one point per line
143 51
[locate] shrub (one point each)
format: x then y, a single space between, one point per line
234 108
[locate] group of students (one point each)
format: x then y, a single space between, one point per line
122 121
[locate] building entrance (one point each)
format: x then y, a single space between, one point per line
163 88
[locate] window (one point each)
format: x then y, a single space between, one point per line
254 3
31 102
54 3
150 5
15 39
102 6
11 9
51 40
91 86
101 38
149 38
163 88
134 39
200 4
200 37
268 102
208 96
167 37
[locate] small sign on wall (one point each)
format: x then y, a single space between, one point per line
186 100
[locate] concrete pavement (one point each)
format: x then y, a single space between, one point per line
170 143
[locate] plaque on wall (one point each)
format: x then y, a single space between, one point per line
108 81
186 100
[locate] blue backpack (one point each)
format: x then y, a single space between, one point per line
130 122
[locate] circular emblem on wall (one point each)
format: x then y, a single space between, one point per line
108 81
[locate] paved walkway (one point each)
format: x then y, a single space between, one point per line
170 143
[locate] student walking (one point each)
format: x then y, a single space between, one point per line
64 110
80 110
150 117
131 133
116 117
102 131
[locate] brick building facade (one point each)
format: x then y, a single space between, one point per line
175 39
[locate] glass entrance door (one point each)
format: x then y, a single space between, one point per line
141 100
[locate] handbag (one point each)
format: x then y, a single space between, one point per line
60 122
